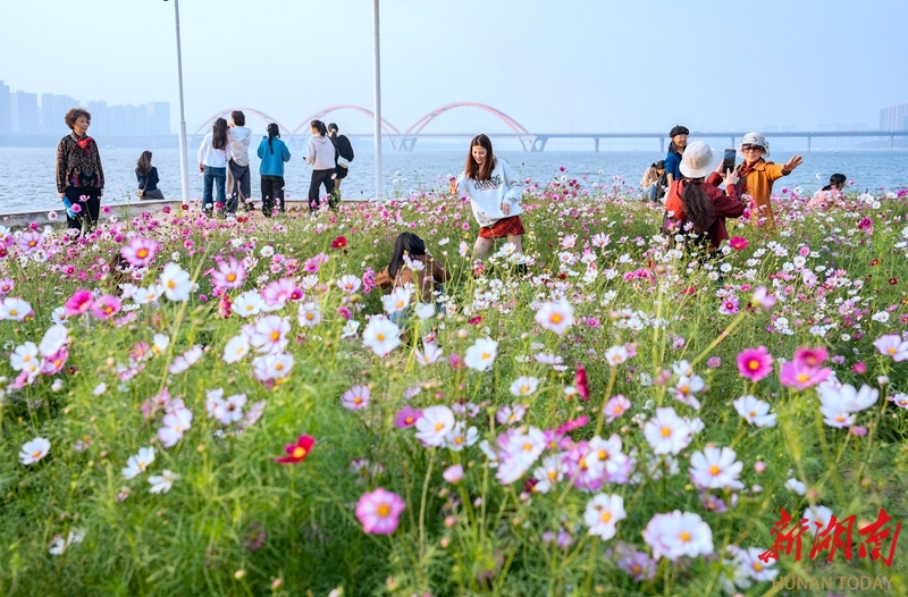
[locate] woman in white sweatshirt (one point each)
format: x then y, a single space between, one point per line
239 181
494 191
323 159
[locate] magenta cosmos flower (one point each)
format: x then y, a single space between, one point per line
799 375
106 306
78 303
407 417
378 511
230 274
140 251
755 363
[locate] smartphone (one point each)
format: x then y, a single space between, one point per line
728 162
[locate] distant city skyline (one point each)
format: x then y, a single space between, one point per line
22 114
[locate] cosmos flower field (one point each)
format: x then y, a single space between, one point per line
200 406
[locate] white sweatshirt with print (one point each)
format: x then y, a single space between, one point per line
486 196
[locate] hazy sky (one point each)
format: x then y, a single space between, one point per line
562 66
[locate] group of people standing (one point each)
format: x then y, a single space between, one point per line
224 161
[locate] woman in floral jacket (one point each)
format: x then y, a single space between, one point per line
80 177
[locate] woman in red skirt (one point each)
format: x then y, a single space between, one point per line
494 191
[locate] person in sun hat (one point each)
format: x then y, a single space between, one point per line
696 203
757 175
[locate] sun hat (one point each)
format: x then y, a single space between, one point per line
698 160
678 130
660 165
756 139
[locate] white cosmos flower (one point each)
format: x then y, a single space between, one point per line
175 424
349 283
817 518
434 424
381 335
678 534
310 315
60 545
602 514
14 309
667 433
163 482
176 283
557 316
796 486
55 338
138 463
34 450
25 356
616 355
481 355
524 386
754 411
397 301
716 469
425 310
248 304
270 334
429 355
236 349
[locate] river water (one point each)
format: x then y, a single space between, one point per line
27 174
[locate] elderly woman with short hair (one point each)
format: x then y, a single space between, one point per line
80 178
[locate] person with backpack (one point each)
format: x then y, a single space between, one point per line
696 204
344 157
323 159
273 153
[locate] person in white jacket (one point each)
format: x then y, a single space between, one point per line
323 159
494 192
213 165
239 181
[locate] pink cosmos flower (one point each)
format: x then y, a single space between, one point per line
407 417
891 345
729 306
799 375
140 251
738 243
755 363
378 511
78 303
230 274
762 298
615 407
107 306
356 398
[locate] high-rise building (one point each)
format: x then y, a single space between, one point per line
894 118
53 111
6 116
25 113
159 118
99 119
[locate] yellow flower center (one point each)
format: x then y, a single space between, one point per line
685 536
666 431
605 516
603 454
380 337
171 285
383 510
275 336
556 318
486 355
714 470
36 453
803 377
439 426
753 365
142 253
299 452
231 277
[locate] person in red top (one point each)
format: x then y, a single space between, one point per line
696 204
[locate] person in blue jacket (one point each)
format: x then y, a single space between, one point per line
273 153
675 149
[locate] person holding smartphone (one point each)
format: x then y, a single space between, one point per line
758 175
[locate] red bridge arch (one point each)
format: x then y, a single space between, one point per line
386 126
225 113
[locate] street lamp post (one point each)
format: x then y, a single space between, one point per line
184 158
377 68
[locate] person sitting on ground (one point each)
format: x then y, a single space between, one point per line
826 197
147 177
494 191
676 148
412 266
696 203
651 183
757 175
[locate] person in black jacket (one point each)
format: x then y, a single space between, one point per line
147 178
344 157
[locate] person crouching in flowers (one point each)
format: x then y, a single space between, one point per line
413 268
697 202
494 192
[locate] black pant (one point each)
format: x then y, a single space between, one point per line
320 177
90 209
272 194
